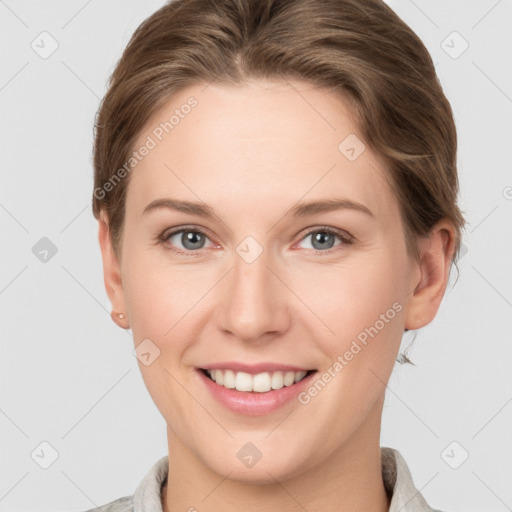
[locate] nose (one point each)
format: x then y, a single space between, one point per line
254 306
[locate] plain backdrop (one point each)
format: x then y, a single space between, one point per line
69 378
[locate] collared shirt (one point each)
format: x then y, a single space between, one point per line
395 473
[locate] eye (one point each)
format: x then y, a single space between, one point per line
185 239
190 240
323 239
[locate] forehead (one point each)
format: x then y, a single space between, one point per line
264 141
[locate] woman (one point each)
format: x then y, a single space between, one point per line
236 139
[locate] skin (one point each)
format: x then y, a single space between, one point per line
251 153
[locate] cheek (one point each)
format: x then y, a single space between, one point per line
361 312
163 302
160 294
346 299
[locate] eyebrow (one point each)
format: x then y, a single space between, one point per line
300 210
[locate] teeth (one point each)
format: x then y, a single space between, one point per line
259 383
243 381
228 379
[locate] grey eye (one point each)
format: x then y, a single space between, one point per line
189 239
321 239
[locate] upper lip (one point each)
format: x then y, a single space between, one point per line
254 368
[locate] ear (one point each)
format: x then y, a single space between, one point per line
112 273
431 275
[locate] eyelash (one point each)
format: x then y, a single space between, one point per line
345 239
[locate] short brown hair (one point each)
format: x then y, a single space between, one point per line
359 49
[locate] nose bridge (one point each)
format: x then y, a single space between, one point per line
254 301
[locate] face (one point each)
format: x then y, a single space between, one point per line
262 275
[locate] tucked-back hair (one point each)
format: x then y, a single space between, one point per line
359 49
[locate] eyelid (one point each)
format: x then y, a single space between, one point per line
344 235
178 229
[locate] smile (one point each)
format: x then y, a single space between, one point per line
258 383
254 392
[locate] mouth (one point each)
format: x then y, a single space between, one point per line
263 382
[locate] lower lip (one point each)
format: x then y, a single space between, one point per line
252 403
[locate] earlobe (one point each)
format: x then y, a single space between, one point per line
430 279
112 273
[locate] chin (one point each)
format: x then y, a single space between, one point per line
258 474
273 465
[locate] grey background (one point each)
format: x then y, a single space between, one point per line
68 374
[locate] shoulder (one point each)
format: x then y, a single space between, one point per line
399 484
124 504
147 495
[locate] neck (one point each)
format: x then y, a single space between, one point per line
349 479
